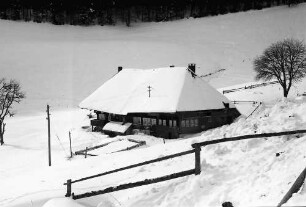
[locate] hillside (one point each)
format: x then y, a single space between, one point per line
61 65
247 173
260 170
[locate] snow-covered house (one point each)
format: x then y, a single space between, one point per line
164 102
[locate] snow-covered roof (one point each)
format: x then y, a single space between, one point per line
172 89
117 126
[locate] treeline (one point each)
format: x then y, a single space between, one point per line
110 12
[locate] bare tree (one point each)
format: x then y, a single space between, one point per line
9 93
284 61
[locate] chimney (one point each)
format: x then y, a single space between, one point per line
191 68
119 68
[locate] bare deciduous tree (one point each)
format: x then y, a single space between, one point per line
10 93
284 61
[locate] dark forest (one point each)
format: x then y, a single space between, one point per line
111 12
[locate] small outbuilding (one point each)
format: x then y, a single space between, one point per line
164 102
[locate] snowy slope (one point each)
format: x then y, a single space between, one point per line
269 94
247 173
61 65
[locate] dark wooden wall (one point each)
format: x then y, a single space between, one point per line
185 122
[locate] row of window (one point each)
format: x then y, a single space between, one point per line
187 122
190 122
153 121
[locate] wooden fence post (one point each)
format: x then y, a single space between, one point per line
86 152
197 159
71 154
68 194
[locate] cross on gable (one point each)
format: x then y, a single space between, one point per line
149 90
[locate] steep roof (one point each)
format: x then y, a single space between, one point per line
172 89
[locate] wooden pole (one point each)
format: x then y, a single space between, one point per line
86 152
68 194
197 160
49 135
70 144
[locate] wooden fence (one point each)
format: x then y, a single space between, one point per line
249 87
83 152
197 169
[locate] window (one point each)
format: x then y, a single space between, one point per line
160 122
174 123
170 123
183 123
137 120
146 121
191 123
196 122
109 117
187 123
164 123
153 122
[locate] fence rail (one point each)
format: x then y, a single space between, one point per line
250 136
197 170
249 87
125 186
135 184
245 102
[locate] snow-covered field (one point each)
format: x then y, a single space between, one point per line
246 173
61 65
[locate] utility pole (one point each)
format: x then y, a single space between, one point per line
149 89
70 144
49 135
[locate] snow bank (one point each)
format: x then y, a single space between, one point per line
255 172
250 172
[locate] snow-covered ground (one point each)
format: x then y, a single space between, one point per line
269 94
63 64
246 173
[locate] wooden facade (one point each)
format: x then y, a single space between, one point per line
170 125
